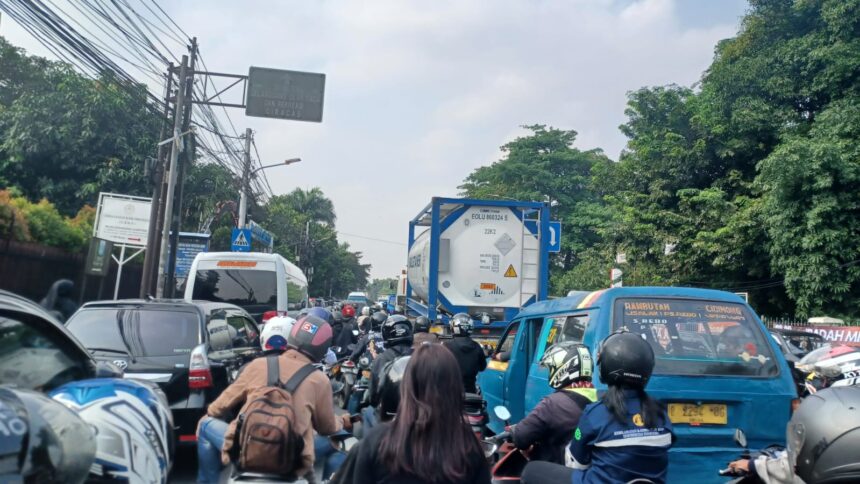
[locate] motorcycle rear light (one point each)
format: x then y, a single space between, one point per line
348 364
199 372
188 438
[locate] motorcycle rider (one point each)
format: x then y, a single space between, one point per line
623 437
428 442
822 438
469 354
397 335
313 403
345 337
326 315
548 428
421 330
373 326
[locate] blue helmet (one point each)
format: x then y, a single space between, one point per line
322 313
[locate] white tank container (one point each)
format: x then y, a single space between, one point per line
487 258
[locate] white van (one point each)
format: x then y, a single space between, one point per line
262 284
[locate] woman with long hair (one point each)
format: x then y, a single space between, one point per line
623 437
428 441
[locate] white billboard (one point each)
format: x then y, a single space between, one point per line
122 219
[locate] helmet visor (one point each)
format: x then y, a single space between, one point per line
794 439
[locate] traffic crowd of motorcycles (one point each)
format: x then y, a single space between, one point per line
67 417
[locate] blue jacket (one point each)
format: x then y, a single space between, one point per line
605 450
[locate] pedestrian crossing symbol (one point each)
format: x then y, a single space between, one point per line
511 272
241 240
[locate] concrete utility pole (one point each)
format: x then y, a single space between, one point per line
246 179
184 163
175 147
150 259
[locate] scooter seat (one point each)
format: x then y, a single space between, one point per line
260 477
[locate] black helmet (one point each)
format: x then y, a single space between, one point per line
338 317
461 324
568 362
824 434
397 330
422 324
625 359
311 336
377 319
43 441
389 386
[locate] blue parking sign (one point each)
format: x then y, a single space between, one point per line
241 240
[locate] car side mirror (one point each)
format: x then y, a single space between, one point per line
503 356
106 369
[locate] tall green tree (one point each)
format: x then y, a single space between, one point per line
66 137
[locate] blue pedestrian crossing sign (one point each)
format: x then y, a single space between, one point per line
241 240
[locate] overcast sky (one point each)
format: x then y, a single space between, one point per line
418 94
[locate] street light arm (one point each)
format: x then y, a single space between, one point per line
283 163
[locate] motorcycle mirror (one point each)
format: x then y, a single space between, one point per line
502 413
740 438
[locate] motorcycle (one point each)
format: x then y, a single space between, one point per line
231 474
342 377
475 410
509 461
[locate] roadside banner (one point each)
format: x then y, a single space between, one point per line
847 335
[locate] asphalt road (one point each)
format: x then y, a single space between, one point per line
184 465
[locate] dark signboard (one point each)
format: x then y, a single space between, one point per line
276 93
98 257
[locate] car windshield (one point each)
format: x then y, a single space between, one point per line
140 332
245 288
697 337
35 357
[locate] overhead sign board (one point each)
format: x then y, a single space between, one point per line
260 234
276 93
187 248
241 240
98 257
122 219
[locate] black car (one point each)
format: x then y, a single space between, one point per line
191 350
37 352
796 344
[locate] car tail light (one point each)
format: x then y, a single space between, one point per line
271 314
199 373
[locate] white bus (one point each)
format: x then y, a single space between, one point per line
263 284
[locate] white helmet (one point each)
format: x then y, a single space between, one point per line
275 333
365 311
133 423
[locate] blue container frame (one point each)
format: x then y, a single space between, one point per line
438 224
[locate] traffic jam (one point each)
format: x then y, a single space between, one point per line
116 389
449 242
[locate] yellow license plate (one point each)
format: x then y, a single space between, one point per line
437 329
709 413
365 373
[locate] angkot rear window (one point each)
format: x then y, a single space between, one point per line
698 337
145 332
